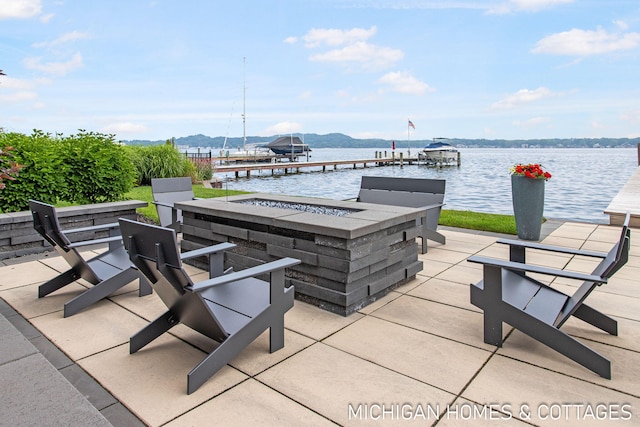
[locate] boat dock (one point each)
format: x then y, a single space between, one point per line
295 167
626 201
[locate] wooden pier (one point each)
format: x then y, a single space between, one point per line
295 167
627 200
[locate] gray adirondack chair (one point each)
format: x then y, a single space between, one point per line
107 272
409 192
166 192
233 309
508 294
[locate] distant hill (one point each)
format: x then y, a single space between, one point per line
339 140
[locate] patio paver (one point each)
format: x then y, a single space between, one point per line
417 349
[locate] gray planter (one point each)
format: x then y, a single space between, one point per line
527 195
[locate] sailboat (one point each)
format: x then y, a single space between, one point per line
248 152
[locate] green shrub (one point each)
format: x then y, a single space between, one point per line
98 168
190 170
204 169
137 160
157 161
42 176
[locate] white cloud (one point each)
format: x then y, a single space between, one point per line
20 96
291 40
403 82
631 116
531 123
65 38
46 18
535 5
55 68
583 42
522 97
621 24
366 54
19 9
513 6
305 95
11 83
334 37
124 128
283 128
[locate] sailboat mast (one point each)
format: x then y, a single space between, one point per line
244 103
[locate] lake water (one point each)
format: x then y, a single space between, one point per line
583 184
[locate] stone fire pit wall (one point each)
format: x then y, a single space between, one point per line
352 253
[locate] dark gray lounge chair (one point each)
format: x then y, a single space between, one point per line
168 191
508 294
107 272
233 309
409 192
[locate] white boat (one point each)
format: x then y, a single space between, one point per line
253 153
440 152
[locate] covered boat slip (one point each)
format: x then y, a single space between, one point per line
289 146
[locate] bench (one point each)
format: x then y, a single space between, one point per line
409 192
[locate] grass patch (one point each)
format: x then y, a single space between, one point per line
495 223
144 193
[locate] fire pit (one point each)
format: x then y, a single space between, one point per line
352 253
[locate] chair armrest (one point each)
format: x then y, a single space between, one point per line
528 268
167 205
239 275
92 228
207 250
95 241
560 249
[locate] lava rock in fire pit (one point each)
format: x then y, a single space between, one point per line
303 207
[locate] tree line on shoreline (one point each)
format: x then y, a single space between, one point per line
339 140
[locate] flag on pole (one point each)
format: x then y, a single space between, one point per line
411 124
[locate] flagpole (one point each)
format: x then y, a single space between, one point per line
408 139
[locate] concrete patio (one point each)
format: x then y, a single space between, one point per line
414 357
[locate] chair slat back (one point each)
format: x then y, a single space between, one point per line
408 199
170 191
620 251
615 259
154 251
417 185
149 246
45 222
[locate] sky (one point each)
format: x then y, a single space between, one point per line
152 70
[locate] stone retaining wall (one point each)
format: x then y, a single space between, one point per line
18 237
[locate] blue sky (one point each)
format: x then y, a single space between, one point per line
496 69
